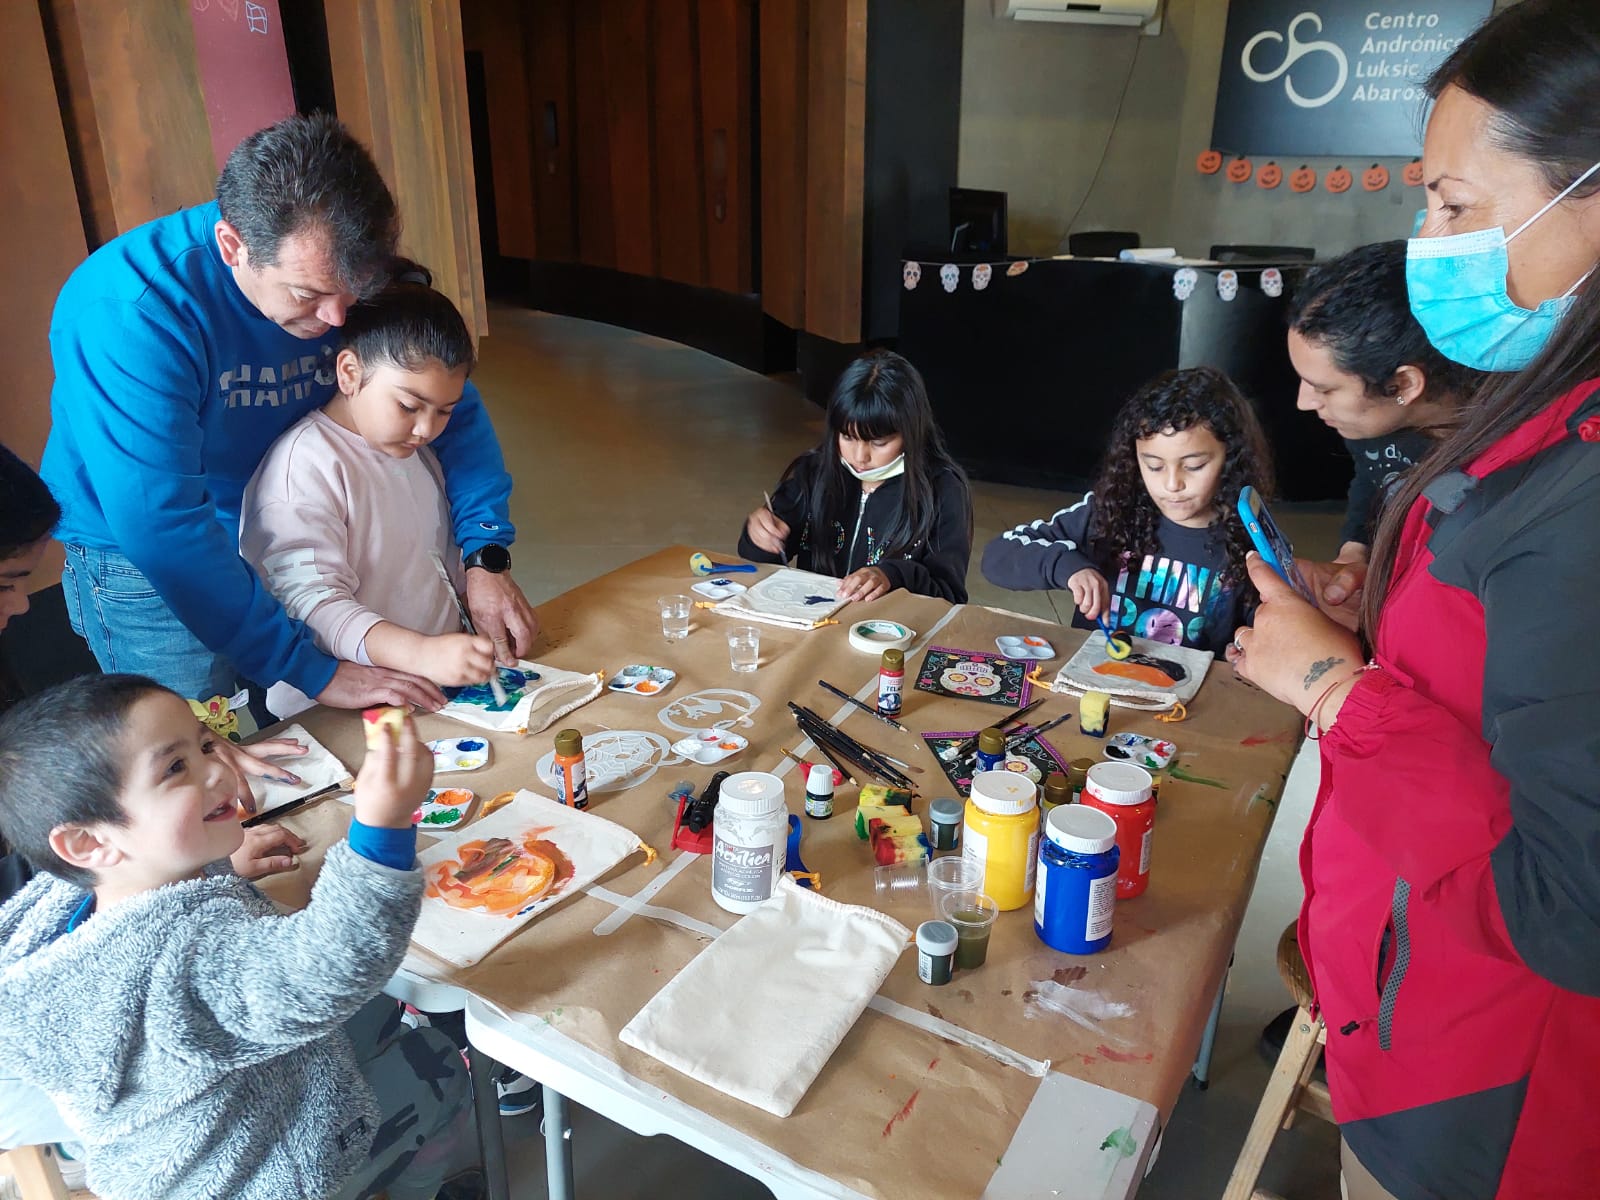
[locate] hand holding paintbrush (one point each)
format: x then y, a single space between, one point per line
493 673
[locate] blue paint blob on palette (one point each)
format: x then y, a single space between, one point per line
459 754
480 695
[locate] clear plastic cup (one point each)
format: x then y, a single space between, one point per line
973 914
899 881
675 612
952 874
744 648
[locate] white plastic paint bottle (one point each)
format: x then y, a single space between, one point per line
750 834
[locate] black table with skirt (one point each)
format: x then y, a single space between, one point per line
1026 373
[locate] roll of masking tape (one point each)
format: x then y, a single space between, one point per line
874 637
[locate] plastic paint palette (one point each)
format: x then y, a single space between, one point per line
1153 754
459 754
445 808
718 588
642 679
712 746
1025 646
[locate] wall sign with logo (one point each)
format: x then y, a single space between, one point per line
1333 77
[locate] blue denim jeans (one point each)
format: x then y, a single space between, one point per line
131 630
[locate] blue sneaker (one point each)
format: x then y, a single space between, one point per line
519 1095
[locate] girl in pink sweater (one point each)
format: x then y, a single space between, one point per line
347 520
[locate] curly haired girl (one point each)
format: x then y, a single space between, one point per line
1157 547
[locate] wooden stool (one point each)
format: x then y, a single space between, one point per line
34 1168
1291 1089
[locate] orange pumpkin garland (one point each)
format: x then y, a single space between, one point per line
1338 180
1412 175
1209 162
1240 170
1302 180
1375 178
1270 176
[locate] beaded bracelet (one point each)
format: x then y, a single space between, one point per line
1326 692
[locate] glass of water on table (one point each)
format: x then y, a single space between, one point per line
675 612
744 648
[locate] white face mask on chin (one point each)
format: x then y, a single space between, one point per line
879 474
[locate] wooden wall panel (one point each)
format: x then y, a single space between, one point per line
400 83
785 56
41 239
551 93
835 167
140 141
625 26
680 182
726 85
495 29
591 140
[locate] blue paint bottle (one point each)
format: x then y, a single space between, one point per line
991 754
1076 889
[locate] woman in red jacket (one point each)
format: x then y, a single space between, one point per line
1452 862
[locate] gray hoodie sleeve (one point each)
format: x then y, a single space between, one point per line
287 980
1042 554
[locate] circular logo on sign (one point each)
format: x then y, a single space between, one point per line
1293 51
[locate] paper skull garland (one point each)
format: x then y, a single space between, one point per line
981 274
1184 281
911 272
1272 282
1228 284
1017 268
950 276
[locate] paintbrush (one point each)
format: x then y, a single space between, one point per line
870 758
284 810
495 686
836 752
1023 735
967 745
836 764
768 498
862 705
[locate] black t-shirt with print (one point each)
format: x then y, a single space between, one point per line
1380 462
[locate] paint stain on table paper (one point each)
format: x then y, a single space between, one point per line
499 876
1287 738
1048 998
904 1112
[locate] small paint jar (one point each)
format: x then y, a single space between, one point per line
819 792
1057 791
572 784
750 835
991 754
891 680
1122 792
1076 892
944 820
1078 775
936 952
1001 834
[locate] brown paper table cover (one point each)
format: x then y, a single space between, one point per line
899 1111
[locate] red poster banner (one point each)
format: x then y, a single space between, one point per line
244 68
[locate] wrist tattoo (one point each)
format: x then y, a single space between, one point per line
1320 668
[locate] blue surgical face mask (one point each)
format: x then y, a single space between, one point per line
1457 286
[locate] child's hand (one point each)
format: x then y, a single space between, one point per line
394 779
767 530
1090 592
457 659
866 584
267 850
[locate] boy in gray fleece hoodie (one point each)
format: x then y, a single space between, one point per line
199 1041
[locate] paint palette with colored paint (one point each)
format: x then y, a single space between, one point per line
642 679
709 747
1153 754
459 754
445 808
718 588
1025 646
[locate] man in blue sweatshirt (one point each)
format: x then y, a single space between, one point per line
182 349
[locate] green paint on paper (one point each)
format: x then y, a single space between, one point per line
1177 772
1122 1141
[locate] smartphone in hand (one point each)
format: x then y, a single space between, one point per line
1270 542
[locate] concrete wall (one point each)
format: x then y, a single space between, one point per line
1104 125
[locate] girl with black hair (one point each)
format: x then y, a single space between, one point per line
1452 861
1157 548
880 502
1369 372
347 520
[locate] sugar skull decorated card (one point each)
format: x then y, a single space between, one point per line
974 675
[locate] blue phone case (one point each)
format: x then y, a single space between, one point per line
1270 542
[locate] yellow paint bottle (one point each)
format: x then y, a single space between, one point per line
1001 834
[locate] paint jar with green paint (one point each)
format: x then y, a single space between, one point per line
973 915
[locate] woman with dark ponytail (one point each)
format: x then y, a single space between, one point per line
1452 865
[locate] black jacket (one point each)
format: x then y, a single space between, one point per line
935 567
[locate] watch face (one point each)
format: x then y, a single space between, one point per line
491 558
